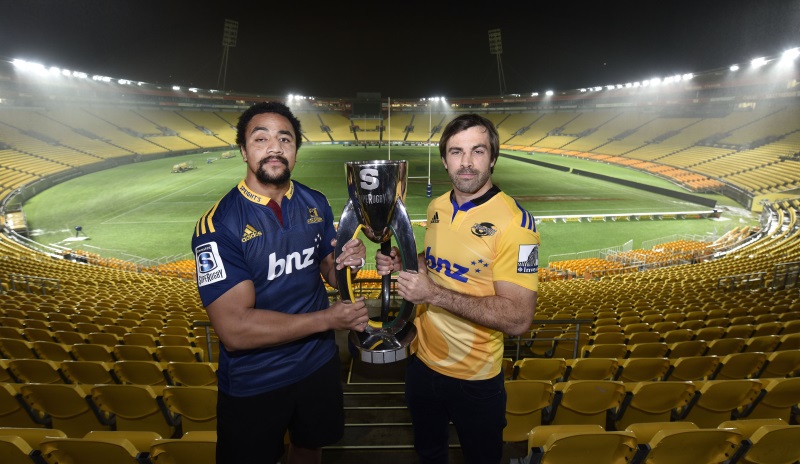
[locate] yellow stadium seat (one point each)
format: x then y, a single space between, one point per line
781 364
606 350
33 334
550 369
134 353
12 348
642 369
718 400
16 413
179 354
15 450
596 446
740 366
69 407
693 368
198 447
777 400
53 351
584 402
196 407
645 431
92 352
592 369
91 451
648 350
141 372
652 402
195 374
681 446
35 371
767 441
134 407
725 346
88 372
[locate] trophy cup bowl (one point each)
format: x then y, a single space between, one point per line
376 190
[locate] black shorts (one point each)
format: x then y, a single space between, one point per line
252 429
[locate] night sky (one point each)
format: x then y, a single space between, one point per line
418 49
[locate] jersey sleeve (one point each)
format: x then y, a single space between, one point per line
517 259
220 264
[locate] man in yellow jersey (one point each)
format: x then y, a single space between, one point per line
478 280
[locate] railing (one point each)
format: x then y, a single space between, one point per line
742 282
576 339
30 284
785 276
208 328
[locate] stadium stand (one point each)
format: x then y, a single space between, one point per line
685 342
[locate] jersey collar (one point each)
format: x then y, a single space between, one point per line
494 190
258 198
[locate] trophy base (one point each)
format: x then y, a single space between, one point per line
381 347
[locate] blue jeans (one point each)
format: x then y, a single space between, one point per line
477 409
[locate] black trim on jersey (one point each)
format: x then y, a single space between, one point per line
493 190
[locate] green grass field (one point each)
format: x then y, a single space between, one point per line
144 210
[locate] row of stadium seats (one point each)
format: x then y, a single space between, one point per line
138 372
779 364
743 441
46 446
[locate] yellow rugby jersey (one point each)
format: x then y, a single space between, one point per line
468 248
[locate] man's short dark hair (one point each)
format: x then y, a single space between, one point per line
464 122
267 107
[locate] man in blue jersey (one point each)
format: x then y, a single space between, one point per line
262 252
478 280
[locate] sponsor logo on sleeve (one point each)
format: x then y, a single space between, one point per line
528 259
209 264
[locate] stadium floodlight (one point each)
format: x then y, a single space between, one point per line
549 93
734 67
688 76
758 62
193 89
790 55
536 94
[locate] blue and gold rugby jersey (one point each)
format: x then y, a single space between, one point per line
240 238
467 249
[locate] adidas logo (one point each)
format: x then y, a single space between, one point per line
435 219
250 233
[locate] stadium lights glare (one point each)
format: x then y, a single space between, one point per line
536 94
176 87
734 67
790 55
758 62
549 93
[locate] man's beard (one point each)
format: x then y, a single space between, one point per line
470 186
269 179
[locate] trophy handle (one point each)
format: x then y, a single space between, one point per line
404 235
349 227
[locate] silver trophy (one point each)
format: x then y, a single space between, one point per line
376 190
